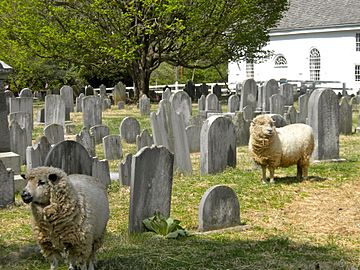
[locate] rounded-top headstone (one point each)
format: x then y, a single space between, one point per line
25 93
219 208
129 129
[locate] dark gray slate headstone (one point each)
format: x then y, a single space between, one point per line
217 145
345 114
99 132
287 91
144 139
271 87
193 136
92 111
101 171
71 157
129 129
323 115
241 129
7 186
151 185
233 103
277 103
54 133
89 90
4 125
219 208
25 93
87 140
36 154
112 147
248 94
125 170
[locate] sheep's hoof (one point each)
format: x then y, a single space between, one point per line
264 182
272 182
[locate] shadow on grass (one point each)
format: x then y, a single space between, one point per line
293 179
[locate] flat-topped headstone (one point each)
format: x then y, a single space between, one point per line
7 186
87 140
22 105
40 116
92 111
101 170
36 154
217 145
99 132
24 120
71 157
54 110
18 140
219 208
8 95
125 170
67 94
54 133
129 129
11 160
112 147
144 139
193 136
151 185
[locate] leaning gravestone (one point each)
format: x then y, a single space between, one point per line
129 129
217 145
181 103
248 94
233 103
151 185
125 170
67 94
99 132
54 133
345 117
219 208
119 93
7 186
54 110
144 105
112 147
71 157
92 111
87 140
323 115
144 139
36 154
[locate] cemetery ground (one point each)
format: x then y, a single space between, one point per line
310 224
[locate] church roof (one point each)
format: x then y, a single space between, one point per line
314 14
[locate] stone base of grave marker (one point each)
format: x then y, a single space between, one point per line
19 183
11 160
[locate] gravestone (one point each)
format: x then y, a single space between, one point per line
219 208
181 103
78 102
217 145
87 140
241 128
121 105
233 103
144 105
193 137
125 170
323 115
303 108
24 120
18 140
101 170
345 116
89 90
102 91
271 87
287 91
67 94
71 157
22 105
354 102
129 129
248 112
151 185
277 104
212 103
54 110
99 132
169 130
248 94
291 115
40 116
54 133
8 95
92 111
119 92
112 147
36 154
190 89
197 120
144 139
166 94
7 186
238 88
217 91
25 93
260 99
201 103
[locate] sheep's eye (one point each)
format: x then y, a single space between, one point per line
41 183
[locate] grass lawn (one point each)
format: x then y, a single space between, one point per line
312 224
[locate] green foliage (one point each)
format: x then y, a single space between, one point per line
167 227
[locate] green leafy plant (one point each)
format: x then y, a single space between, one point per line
167 227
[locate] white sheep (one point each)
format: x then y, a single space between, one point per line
273 147
70 213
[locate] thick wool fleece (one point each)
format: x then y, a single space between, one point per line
273 147
70 214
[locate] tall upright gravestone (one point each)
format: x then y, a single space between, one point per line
4 125
323 115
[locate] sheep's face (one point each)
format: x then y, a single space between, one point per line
38 188
263 126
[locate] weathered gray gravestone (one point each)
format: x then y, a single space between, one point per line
36 154
201 103
24 120
102 90
345 115
144 105
119 93
78 102
87 140
166 94
40 116
303 108
99 132
193 136
248 113
144 139
241 129
71 157
212 103
287 91
121 105
101 171
112 147
323 115
7 186
291 115
54 110
219 208
277 104
22 105
18 140
25 93
92 111
233 103
129 129
217 145
54 133
125 170
248 94
151 185
271 87
181 103
8 95
67 94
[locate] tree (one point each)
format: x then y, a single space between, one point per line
139 35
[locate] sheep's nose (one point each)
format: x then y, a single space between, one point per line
269 129
26 196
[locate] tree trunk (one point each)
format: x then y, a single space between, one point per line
141 78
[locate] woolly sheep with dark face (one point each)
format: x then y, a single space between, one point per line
272 147
70 213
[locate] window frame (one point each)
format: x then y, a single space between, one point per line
314 64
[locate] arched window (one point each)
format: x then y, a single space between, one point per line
314 65
280 61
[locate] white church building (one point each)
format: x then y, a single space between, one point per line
316 40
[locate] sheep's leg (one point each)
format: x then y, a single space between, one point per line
54 262
263 168
305 172
272 171
299 171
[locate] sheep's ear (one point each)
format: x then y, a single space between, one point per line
53 177
23 176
